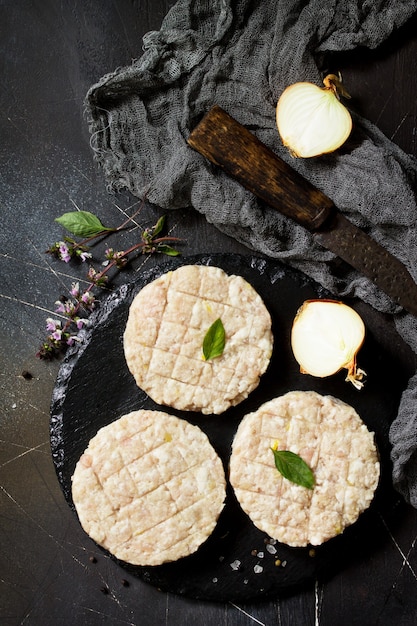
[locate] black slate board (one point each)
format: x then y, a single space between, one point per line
94 387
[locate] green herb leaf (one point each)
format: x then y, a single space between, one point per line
159 226
164 249
82 223
214 341
294 468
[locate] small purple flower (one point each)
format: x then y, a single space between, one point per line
64 252
69 308
52 325
84 256
88 300
60 307
81 322
75 290
57 334
91 273
72 339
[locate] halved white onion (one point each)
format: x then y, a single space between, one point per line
326 337
311 120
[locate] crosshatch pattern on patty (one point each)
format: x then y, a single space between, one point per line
164 335
149 488
333 440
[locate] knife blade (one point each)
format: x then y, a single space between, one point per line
231 146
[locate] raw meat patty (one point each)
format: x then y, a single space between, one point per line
332 439
149 488
167 323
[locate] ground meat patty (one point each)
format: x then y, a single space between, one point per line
149 488
330 436
167 323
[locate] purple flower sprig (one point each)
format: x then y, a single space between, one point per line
69 249
75 310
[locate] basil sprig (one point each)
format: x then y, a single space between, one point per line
214 340
294 468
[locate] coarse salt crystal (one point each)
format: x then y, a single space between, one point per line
270 548
235 565
258 569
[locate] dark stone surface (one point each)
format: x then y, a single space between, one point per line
51 54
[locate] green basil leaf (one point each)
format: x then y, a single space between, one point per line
214 340
82 223
294 468
164 249
159 226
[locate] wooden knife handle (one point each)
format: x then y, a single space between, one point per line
231 146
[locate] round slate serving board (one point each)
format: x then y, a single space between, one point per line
94 387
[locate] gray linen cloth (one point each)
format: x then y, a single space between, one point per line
241 55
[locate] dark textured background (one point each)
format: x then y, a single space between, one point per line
51 53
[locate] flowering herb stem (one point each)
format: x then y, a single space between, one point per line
76 309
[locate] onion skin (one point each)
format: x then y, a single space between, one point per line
326 337
311 120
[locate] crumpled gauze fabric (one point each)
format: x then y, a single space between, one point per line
241 55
